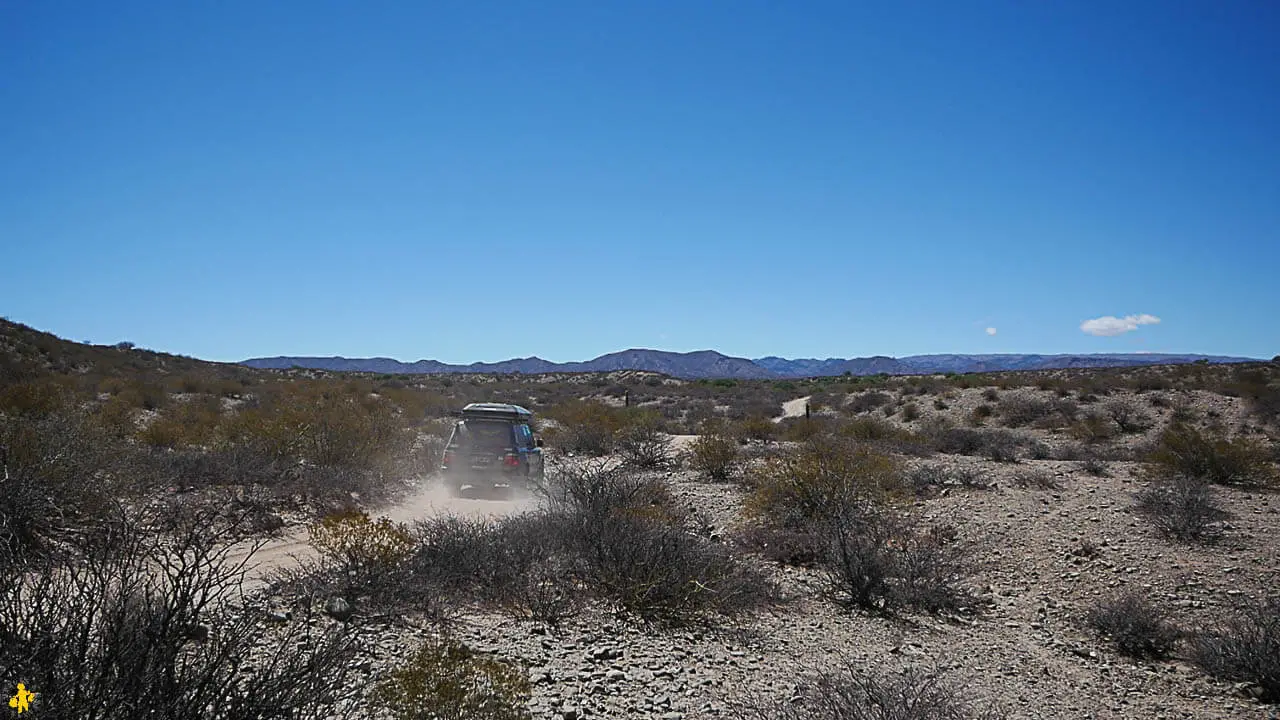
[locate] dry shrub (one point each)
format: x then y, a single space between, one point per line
1137 627
853 694
826 502
714 455
323 425
880 563
867 401
1128 417
129 624
642 443
55 475
1183 450
446 680
981 414
608 532
816 481
997 444
359 545
757 428
1244 647
1182 507
1093 428
585 427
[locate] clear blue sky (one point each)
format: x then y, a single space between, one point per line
237 179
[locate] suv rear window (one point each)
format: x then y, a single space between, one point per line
486 435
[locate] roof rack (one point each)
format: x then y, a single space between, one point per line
494 411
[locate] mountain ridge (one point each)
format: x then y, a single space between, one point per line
709 364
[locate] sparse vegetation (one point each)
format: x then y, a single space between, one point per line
715 455
447 680
140 623
89 435
853 694
1182 507
1136 627
1244 647
1183 450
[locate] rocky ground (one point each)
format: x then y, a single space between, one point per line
1028 653
1042 554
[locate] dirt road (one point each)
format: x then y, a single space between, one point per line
793 408
432 499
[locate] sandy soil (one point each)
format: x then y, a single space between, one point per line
793 408
432 499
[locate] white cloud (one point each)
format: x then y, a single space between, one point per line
1108 326
991 331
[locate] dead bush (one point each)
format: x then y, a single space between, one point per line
128 625
1136 626
1183 450
853 694
867 401
446 680
1128 417
1244 647
1182 507
642 444
996 444
880 563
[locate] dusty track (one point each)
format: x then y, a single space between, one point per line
431 500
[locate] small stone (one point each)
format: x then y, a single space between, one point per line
338 608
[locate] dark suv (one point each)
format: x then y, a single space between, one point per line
492 448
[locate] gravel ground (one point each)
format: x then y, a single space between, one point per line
1041 558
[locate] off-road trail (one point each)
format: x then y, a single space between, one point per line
793 408
431 499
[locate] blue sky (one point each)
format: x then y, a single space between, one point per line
806 179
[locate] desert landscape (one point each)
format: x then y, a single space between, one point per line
194 539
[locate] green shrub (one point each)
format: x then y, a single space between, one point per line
585 427
358 544
817 481
715 455
447 680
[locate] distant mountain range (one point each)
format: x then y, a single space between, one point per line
711 364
